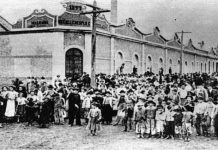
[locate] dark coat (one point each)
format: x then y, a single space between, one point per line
73 100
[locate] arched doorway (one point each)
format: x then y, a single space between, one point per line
149 64
74 63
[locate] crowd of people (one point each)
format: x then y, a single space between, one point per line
154 105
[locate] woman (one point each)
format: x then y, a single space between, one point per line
107 108
11 98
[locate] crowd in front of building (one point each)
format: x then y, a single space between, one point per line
154 105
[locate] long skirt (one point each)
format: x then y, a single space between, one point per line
10 108
20 110
94 125
107 113
44 114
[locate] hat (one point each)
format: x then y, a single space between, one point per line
140 103
151 102
95 104
89 92
50 87
107 92
188 107
159 107
122 91
130 91
75 88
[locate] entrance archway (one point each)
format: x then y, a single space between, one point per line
74 63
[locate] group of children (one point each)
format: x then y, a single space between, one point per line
158 106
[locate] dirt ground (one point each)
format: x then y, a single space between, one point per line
18 136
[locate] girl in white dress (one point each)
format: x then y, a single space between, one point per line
11 98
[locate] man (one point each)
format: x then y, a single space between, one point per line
211 92
74 106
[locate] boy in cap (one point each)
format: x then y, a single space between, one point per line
150 121
170 124
139 118
127 120
199 111
160 120
178 121
187 122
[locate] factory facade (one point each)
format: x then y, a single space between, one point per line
43 44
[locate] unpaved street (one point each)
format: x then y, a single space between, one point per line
17 136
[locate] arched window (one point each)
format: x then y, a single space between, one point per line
209 66
171 62
186 63
193 66
149 64
213 67
205 68
201 67
160 63
136 61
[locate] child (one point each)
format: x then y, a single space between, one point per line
94 119
139 118
21 103
150 121
127 120
178 121
59 107
86 105
30 111
160 120
170 126
187 122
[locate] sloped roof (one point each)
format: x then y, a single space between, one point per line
5 24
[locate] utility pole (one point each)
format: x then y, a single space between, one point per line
182 50
95 13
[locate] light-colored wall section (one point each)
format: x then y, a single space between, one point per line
103 46
129 49
58 55
156 53
33 43
174 56
189 58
